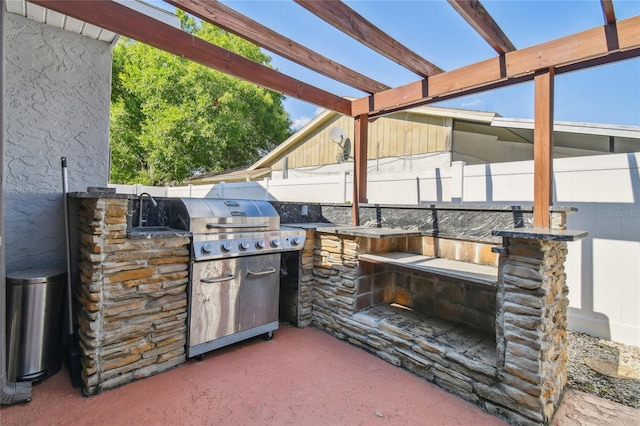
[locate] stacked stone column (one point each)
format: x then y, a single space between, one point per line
132 299
335 271
305 290
531 332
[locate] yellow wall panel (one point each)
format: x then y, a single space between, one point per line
398 134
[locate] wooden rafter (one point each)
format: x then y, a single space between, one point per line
607 10
570 53
578 51
224 17
138 26
477 16
353 24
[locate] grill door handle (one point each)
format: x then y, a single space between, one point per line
217 280
257 274
237 225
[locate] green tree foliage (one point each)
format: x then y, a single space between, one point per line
172 119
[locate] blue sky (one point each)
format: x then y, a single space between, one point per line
607 94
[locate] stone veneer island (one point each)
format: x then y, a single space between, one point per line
131 298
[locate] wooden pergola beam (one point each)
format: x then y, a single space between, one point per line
608 11
226 18
480 20
570 53
574 52
355 25
543 148
361 136
138 26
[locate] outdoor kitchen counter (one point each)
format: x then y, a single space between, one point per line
139 233
130 290
355 231
132 232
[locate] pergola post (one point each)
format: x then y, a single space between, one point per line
361 135
543 148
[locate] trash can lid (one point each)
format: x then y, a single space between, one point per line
35 276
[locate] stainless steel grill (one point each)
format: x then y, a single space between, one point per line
234 280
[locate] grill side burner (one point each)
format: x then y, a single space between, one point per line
234 283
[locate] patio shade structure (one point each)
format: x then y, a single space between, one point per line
614 41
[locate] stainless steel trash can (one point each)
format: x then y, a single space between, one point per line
35 306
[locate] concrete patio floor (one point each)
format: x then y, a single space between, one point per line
301 377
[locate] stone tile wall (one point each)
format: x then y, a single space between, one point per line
464 251
374 285
361 285
131 301
443 297
335 270
305 289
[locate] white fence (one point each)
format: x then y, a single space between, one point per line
603 270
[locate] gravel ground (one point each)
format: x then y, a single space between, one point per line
588 354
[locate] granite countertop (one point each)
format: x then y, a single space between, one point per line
100 194
311 226
362 231
541 234
149 232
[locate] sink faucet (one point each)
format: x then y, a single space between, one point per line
155 204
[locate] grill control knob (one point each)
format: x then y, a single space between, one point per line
275 243
260 244
206 248
244 245
226 247
295 241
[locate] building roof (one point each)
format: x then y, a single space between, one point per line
235 175
325 116
620 131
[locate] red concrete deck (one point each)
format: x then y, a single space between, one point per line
303 377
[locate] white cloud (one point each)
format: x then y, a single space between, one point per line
474 103
299 122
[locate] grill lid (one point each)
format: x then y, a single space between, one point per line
213 215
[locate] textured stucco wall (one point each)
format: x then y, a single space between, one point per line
57 94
